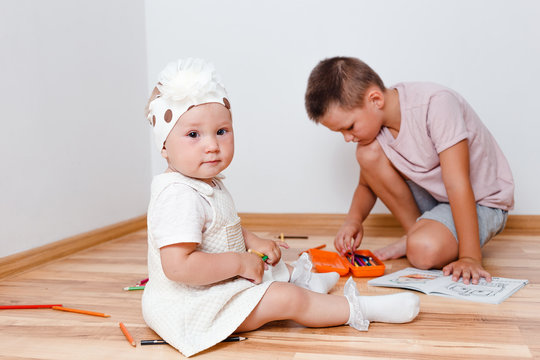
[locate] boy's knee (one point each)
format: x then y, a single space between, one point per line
422 251
369 156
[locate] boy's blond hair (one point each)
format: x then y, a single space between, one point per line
338 80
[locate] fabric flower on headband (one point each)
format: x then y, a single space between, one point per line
182 85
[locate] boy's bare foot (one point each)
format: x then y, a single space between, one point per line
392 251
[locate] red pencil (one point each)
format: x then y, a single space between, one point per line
28 306
142 282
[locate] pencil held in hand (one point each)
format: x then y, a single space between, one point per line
263 257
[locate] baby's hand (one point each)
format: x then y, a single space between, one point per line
251 267
269 248
348 237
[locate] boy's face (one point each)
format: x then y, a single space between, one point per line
359 125
201 144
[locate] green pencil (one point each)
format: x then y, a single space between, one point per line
130 288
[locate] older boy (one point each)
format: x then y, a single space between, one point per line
433 164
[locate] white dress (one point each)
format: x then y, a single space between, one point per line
194 318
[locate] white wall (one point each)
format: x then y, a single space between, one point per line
73 144
75 149
488 50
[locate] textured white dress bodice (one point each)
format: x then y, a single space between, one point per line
194 318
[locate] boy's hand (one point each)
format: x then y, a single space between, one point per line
468 269
349 237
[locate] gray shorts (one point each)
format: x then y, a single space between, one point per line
491 221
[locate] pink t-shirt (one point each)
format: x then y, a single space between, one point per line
434 118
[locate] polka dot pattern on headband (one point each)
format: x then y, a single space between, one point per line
168 116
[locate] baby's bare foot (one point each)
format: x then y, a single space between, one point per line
392 251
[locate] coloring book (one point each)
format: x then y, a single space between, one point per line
433 282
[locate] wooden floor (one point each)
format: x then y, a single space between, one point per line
94 280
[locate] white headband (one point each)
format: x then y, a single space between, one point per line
182 85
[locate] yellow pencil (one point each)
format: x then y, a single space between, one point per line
263 257
86 312
282 237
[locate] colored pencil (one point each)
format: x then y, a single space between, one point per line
282 238
263 257
163 342
316 247
127 334
78 311
234 338
292 236
5 307
130 288
153 342
142 282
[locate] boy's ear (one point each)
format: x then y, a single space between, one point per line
376 97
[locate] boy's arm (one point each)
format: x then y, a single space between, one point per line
455 164
362 202
349 236
183 263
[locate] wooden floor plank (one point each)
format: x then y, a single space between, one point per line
93 279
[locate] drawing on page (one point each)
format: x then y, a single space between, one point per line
484 289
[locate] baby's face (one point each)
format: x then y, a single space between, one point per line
359 125
201 144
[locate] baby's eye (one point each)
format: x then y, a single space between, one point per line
221 132
192 134
350 127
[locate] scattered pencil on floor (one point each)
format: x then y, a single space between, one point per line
127 334
142 282
316 247
292 236
131 288
234 338
163 342
153 342
5 307
79 311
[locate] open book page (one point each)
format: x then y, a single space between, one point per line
433 282
425 281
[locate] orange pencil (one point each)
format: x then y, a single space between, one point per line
86 312
127 334
316 247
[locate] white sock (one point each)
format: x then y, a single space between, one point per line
318 282
395 308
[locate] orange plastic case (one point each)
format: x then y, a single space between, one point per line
328 261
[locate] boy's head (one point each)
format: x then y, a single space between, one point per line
339 81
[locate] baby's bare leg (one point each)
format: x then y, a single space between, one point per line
284 301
